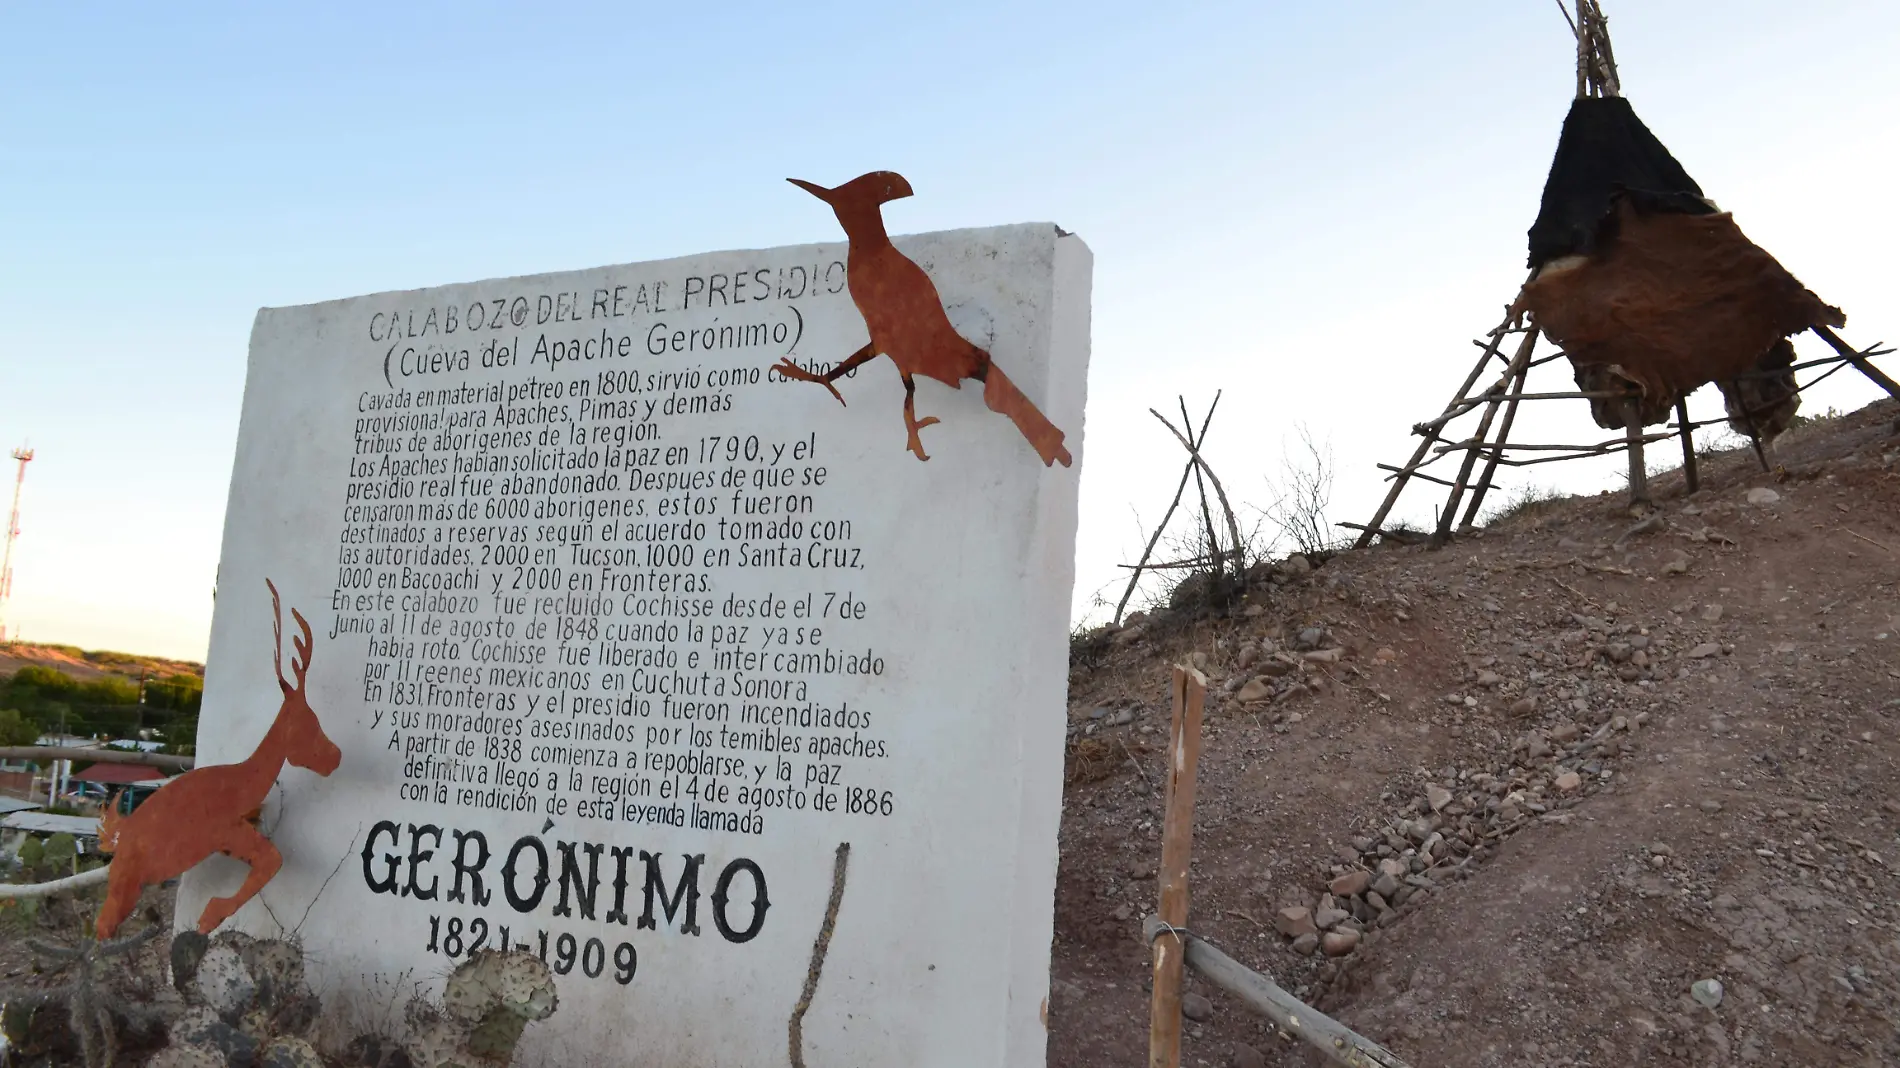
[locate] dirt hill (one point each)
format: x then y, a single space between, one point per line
85 664
1554 775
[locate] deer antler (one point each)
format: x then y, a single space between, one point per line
277 634
301 662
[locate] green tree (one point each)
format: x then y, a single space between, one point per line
176 693
180 737
17 729
57 701
109 690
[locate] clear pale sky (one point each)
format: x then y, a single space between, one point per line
1310 206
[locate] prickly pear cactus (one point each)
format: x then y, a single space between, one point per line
246 1004
487 1003
286 1051
187 1057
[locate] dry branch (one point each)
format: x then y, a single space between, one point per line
1491 462
1135 578
1194 451
1414 472
1859 360
1194 469
1177 565
1429 431
56 886
1512 373
1612 445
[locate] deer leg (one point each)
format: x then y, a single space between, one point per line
911 423
857 359
246 844
122 896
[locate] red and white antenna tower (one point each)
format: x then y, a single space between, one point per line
25 456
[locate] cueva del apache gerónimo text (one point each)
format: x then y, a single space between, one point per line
445 357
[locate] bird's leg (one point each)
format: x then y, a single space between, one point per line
789 369
911 422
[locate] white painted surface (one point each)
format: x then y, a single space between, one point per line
940 955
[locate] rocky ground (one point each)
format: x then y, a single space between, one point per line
1581 790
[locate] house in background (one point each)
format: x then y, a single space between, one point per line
132 782
16 780
16 827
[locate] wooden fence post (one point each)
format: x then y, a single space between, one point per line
1690 477
1177 838
1639 472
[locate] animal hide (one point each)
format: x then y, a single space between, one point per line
1667 302
1764 405
1608 413
1605 151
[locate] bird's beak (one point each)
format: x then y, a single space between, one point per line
818 191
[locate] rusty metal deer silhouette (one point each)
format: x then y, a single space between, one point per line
214 809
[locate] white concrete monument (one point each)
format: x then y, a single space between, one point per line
623 634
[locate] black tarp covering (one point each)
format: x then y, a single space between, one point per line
1605 150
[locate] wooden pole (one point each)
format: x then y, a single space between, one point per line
1616 444
1443 533
1504 435
1639 473
1195 466
1341 1044
1200 484
1398 484
1201 465
1859 361
1177 839
1194 453
1452 411
1583 51
1446 482
1748 420
1152 541
1501 391
1689 473
1824 361
1565 456
1567 394
40 754
1372 525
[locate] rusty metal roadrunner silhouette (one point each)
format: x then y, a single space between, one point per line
907 321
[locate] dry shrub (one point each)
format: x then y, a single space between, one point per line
1090 760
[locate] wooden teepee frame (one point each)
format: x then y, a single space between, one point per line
1216 559
1596 76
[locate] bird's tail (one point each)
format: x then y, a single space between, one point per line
1002 396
